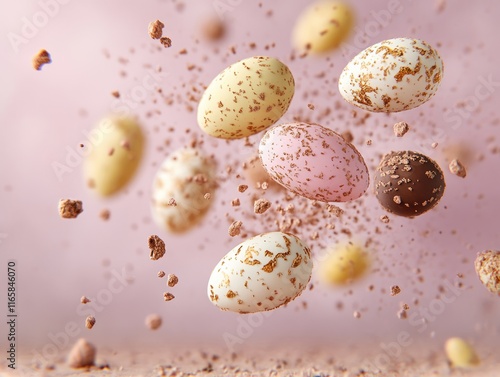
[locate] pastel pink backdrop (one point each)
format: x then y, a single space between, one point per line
45 113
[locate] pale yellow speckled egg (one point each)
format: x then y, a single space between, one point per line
246 98
394 75
323 26
115 152
460 353
343 264
179 190
262 273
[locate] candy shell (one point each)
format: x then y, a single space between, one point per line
246 98
262 273
394 75
315 162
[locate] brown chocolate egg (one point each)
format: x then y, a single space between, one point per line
408 183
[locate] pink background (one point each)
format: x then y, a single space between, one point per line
44 113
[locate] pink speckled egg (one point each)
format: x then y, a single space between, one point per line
315 162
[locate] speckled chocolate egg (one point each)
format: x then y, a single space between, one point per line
179 190
408 183
394 75
315 162
262 273
323 26
115 152
246 98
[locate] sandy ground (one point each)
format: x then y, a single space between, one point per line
345 363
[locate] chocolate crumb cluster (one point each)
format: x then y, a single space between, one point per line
156 246
261 206
487 266
70 209
155 29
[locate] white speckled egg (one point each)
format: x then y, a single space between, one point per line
394 75
246 98
315 162
115 151
323 26
262 273
179 189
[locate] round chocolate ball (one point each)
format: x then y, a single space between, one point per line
408 183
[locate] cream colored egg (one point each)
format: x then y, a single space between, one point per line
115 152
323 26
262 273
394 75
343 264
460 353
179 190
246 98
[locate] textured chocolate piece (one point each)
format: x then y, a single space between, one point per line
408 183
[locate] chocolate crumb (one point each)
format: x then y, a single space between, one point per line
161 274
166 42
70 209
402 314
242 188
155 29
235 228
105 214
261 205
395 290
115 94
82 354
347 136
41 58
384 219
168 296
84 300
356 315
213 29
89 322
172 280
401 128
153 321
457 168
157 247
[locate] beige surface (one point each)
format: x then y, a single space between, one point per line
345 363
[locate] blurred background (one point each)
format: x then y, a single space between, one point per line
98 47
